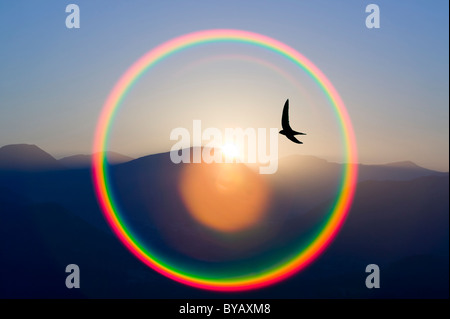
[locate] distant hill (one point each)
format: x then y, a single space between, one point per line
319 179
26 157
399 171
29 157
403 164
84 160
294 165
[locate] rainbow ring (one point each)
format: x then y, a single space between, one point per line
279 272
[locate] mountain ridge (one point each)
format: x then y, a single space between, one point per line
31 157
84 160
26 157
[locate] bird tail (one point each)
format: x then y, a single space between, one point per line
298 133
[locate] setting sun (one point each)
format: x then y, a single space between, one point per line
230 151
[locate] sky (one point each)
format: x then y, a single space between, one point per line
393 80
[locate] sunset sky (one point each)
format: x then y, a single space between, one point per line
393 80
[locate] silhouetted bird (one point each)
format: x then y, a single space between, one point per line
287 130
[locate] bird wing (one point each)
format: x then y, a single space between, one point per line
285 117
293 139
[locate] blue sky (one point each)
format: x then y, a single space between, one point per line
393 80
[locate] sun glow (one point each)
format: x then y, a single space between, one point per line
230 151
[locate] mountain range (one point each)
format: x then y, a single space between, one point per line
29 157
49 217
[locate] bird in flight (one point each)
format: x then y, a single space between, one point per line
287 130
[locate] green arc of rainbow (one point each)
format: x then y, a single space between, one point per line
279 272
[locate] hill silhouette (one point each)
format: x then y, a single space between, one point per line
406 170
50 218
394 171
84 160
26 157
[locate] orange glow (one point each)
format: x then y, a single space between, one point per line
225 197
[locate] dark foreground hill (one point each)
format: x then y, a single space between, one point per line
49 219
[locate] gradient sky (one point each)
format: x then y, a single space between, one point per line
393 80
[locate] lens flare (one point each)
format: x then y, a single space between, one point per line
279 270
224 197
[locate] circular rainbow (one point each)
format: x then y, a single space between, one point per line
252 281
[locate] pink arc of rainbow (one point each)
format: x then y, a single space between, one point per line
277 272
